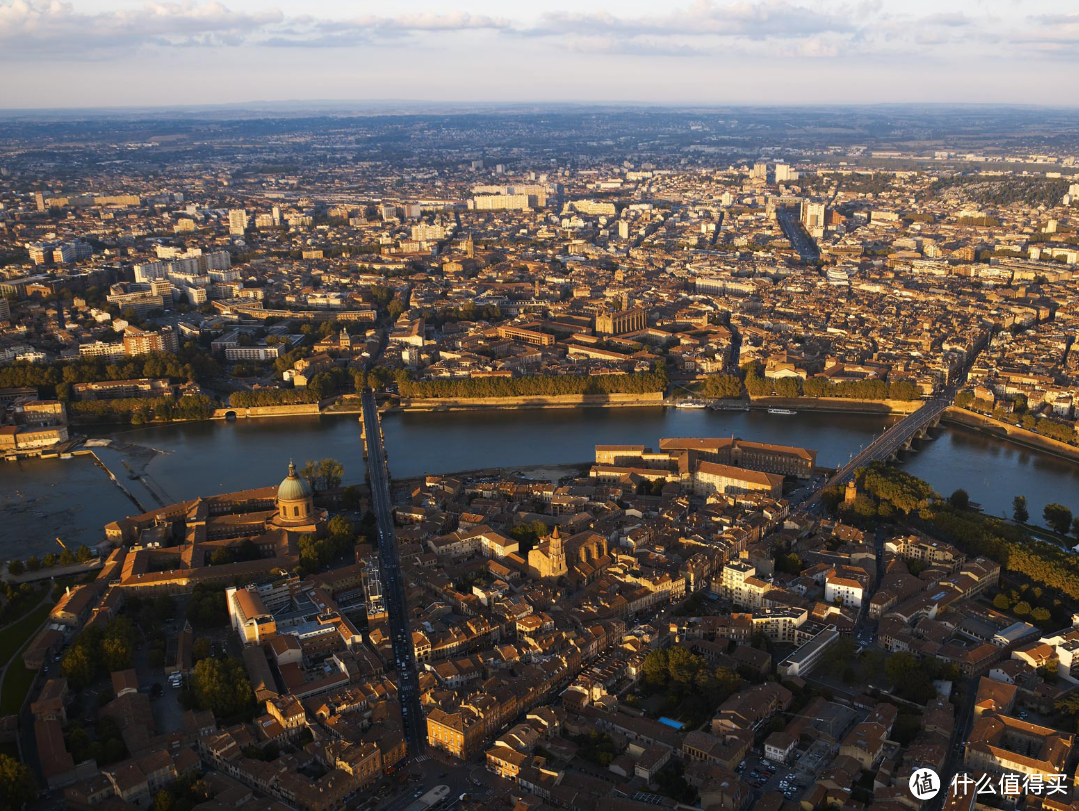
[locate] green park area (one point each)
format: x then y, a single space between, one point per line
13 638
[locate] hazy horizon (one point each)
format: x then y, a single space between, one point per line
125 53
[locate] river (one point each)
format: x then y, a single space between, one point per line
73 499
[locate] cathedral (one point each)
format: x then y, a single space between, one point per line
548 560
579 558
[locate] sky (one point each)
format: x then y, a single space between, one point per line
93 53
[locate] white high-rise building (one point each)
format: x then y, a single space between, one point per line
237 221
428 233
812 215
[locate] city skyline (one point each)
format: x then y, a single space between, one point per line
171 54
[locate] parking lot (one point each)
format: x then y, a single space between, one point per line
788 779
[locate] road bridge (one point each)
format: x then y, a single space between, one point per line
899 436
393 588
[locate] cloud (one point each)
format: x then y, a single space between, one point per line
308 32
760 20
635 46
775 29
55 29
949 19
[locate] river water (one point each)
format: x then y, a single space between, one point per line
73 499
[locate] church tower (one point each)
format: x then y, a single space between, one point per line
850 495
556 557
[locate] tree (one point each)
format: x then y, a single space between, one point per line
221 685
350 498
207 607
325 474
840 652
17 783
1020 514
83 554
163 801
1001 602
339 525
1058 517
959 499
118 653
15 567
728 387
78 666
1022 608
901 666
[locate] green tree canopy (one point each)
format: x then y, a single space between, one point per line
1019 509
1058 517
325 474
18 785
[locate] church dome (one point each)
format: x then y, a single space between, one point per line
294 487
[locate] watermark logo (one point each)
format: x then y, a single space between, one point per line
1008 785
924 784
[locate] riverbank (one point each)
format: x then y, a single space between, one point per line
652 399
1011 433
838 405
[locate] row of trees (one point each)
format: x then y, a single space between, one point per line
538 386
272 397
192 363
466 312
138 411
65 558
1054 429
722 387
875 390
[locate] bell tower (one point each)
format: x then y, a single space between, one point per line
556 557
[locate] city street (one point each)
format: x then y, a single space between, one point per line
393 588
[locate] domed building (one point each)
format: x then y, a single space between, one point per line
295 500
217 539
